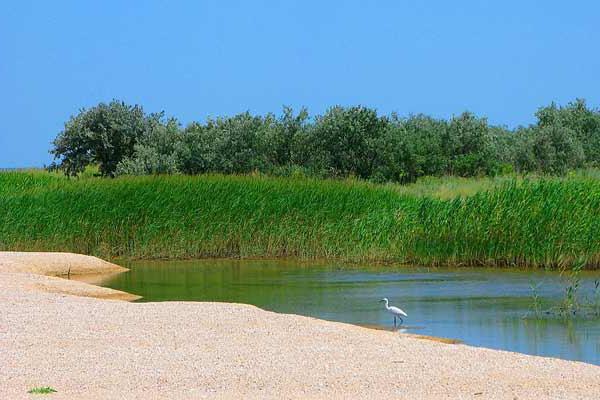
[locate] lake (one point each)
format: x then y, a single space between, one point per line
479 306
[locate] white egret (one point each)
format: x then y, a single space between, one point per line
395 311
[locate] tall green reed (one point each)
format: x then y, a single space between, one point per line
542 223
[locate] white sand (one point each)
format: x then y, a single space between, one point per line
88 348
54 264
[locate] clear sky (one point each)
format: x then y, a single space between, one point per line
194 59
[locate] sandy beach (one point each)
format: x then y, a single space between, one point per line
55 332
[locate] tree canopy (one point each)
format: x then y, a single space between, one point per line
344 141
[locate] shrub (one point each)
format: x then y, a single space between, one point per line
343 142
104 135
155 152
583 123
424 138
468 145
556 149
240 145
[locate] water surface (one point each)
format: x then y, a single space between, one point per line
481 307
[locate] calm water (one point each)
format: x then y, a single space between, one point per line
482 307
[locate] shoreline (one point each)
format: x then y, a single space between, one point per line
46 272
87 347
359 263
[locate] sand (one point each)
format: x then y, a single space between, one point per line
55 264
88 348
43 268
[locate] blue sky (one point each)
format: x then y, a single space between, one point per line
194 59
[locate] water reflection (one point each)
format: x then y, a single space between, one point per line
483 307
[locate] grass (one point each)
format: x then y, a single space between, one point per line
41 390
537 222
451 187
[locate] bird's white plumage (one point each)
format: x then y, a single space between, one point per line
393 310
396 311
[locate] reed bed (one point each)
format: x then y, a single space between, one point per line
542 222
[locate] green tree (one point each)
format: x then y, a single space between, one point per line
343 140
556 149
281 136
197 151
103 135
503 144
424 137
155 152
467 143
581 120
394 157
240 142
524 157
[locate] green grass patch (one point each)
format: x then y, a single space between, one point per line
41 390
539 222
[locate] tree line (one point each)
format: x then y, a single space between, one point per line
344 141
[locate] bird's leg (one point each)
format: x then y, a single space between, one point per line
401 320
394 321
